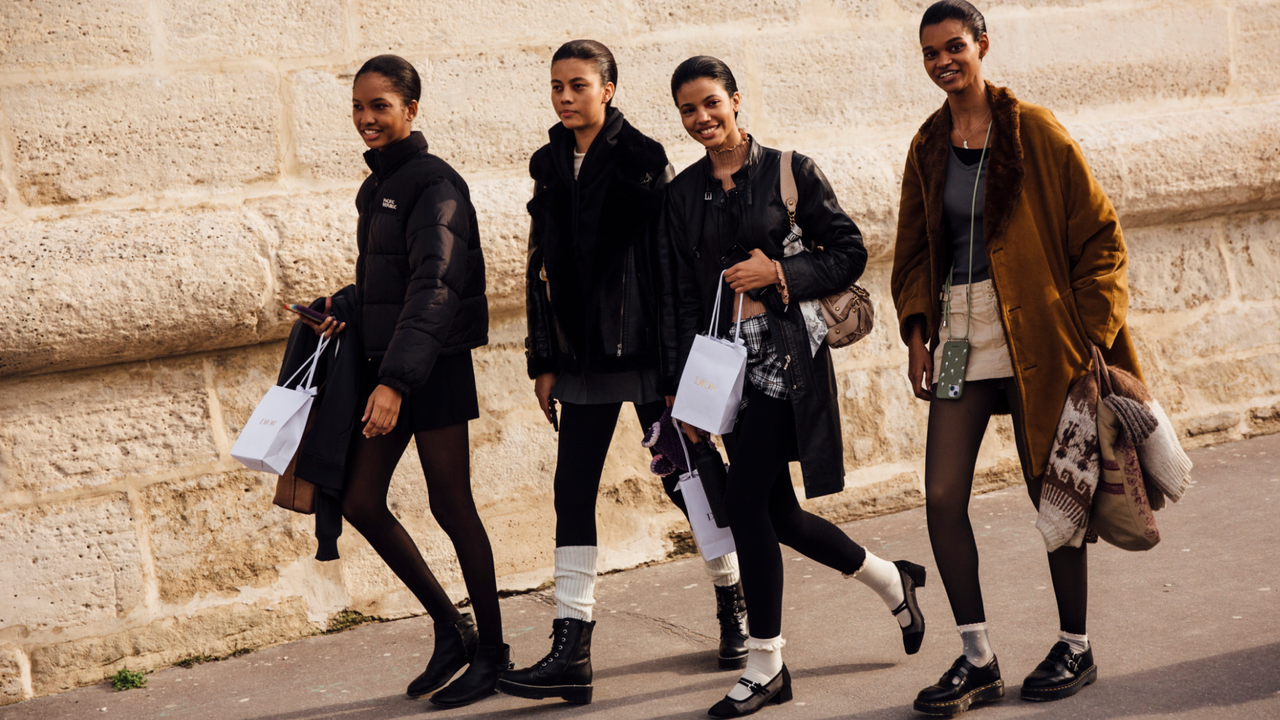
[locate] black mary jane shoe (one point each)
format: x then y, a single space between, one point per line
913 576
961 686
1062 674
456 644
775 692
479 681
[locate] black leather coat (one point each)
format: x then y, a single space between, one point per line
420 274
691 267
591 299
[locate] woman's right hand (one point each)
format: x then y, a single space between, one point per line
919 362
542 386
330 326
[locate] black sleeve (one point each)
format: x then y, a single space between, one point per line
681 309
842 257
436 237
538 344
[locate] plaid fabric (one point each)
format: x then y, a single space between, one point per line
765 367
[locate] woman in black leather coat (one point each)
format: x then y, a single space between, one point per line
592 306
733 197
421 306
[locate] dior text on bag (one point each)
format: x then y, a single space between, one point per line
710 387
848 314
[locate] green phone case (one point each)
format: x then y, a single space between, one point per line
955 360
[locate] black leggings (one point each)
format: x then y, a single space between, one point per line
585 434
956 428
446 463
763 511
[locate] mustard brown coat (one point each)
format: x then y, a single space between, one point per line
1055 249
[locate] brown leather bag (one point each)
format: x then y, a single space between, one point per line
849 314
292 492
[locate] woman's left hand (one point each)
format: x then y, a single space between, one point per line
752 274
382 411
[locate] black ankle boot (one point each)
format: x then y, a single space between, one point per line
564 673
479 681
455 646
731 611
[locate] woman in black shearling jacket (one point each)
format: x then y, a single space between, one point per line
592 303
732 197
421 304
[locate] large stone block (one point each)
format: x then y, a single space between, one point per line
72 431
1073 58
1232 330
881 420
325 143
1253 249
50 34
69 564
868 183
113 287
1175 267
241 378
1257 24
408 26
504 235
15 676
215 29
216 631
81 141
215 534
683 15
1227 382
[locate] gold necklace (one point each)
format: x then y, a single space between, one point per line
742 138
965 138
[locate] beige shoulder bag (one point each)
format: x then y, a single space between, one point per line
849 314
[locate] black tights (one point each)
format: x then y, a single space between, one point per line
956 428
585 434
763 511
446 463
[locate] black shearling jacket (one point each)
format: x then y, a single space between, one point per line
420 275
691 267
591 299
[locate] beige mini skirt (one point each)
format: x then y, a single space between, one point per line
988 351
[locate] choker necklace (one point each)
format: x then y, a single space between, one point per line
743 138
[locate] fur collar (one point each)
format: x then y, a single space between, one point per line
1004 169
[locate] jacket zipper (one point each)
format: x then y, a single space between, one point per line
622 325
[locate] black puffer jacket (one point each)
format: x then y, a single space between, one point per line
691 265
590 296
420 273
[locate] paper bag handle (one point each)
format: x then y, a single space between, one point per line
310 367
715 315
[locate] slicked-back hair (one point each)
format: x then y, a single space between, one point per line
399 72
591 51
961 10
703 66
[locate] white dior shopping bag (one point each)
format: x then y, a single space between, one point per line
271 437
712 540
710 388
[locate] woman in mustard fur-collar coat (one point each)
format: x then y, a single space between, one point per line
1033 256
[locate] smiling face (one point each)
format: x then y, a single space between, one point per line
379 112
952 57
707 112
578 93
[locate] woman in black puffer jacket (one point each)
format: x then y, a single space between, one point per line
421 304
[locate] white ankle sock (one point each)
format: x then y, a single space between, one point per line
1078 643
575 581
723 571
977 646
884 577
764 662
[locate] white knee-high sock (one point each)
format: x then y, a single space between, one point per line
884 577
723 571
764 662
1077 643
977 646
575 581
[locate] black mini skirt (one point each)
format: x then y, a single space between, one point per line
448 397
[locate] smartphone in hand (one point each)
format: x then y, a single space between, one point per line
555 419
307 312
734 255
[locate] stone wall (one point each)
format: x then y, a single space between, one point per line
172 170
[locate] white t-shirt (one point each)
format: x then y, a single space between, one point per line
577 163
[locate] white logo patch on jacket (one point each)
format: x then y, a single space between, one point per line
389 203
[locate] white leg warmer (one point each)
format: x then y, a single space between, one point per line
575 581
723 571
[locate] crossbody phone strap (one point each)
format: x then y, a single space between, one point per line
973 208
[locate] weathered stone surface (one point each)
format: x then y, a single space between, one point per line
69 564
1257 24
1253 249
408 26
75 431
89 140
882 421
215 534
1228 381
214 29
325 142
1206 424
504 235
15 676
113 287
868 183
1236 329
659 15
315 252
240 379
215 631
1176 267
1091 56
48 34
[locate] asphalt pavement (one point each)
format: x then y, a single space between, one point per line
1190 629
